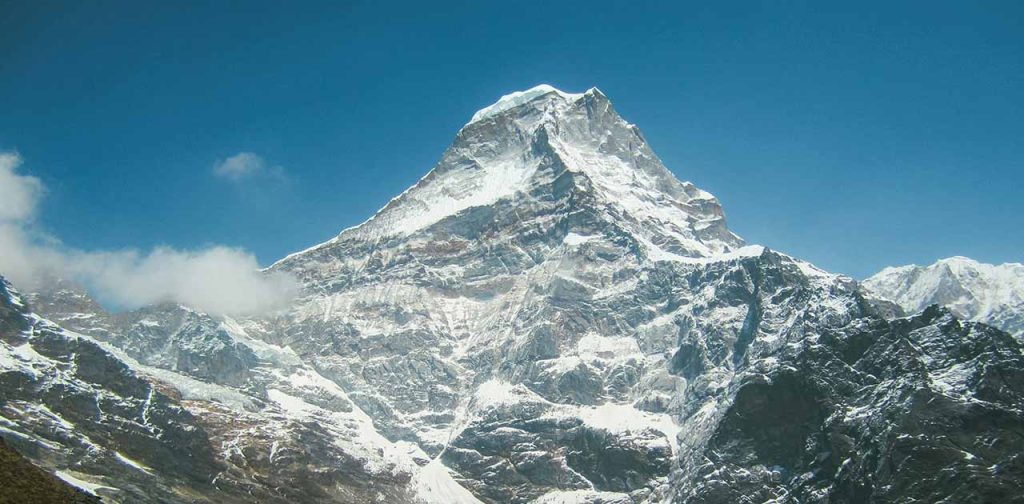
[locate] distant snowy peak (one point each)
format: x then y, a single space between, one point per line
542 142
988 293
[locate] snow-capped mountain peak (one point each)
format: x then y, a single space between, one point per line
543 146
973 290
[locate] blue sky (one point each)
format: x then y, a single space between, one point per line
853 136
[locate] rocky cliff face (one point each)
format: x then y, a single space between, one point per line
993 294
165 404
923 409
70 403
547 316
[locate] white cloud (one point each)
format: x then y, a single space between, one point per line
245 165
19 194
217 279
26 258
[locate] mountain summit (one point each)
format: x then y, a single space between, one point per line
547 147
517 98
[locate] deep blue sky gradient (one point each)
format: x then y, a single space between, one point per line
855 136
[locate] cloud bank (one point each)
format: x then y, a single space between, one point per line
219 280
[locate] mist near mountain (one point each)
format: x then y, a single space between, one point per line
216 279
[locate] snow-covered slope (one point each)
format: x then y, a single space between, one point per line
988 293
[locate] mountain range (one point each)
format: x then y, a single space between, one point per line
548 316
993 294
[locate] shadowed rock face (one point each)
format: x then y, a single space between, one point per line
920 409
548 316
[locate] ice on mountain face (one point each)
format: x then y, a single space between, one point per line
988 293
626 418
133 464
87 487
497 393
489 183
434 484
583 497
518 98
575 240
